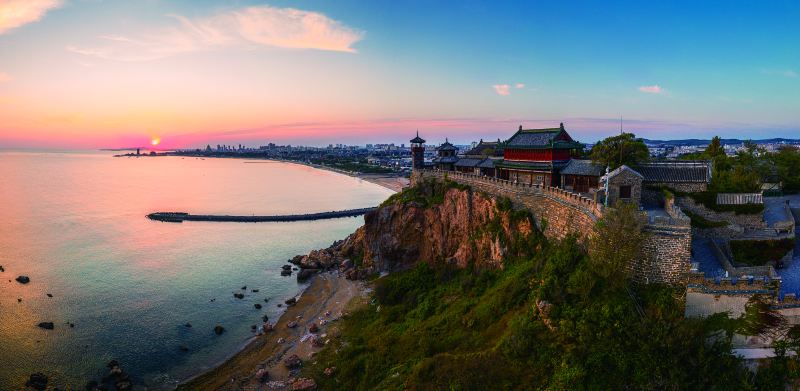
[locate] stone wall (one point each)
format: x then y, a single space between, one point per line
668 251
558 212
681 187
749 221
668 241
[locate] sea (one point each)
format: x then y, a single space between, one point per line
124 287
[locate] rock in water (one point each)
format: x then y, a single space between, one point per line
286 267
292 362
244 288
265 318
49 295
1 269
46 325
258 306
37 381
188 325
305 274
238 295
285 273
23 279
219 330
291 301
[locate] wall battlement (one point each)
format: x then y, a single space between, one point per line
561 212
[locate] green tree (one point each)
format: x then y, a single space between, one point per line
714 148
618 150
617 242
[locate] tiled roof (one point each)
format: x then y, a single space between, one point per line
583 167
676 171
546 166
541 138
447 159
620 170
490 148
467 162
533 137
446 146
488 163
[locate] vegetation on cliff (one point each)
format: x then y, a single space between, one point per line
557 317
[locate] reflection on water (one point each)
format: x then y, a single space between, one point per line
75 224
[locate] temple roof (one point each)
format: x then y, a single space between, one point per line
556 138
486 148
488 163
678 171
446 146
467 162
418 140
583 167
446 159
524 165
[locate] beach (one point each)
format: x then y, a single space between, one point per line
323 303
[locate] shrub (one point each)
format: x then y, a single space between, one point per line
709 200
759 252
701 222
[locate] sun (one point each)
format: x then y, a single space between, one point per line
155 141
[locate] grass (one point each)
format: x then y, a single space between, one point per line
759 252
426 194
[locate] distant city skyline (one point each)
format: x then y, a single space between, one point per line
114 74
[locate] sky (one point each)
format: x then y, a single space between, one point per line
105 73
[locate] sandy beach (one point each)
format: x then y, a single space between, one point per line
322 303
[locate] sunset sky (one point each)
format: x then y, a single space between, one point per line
94 73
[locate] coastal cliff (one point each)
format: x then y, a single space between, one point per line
433 222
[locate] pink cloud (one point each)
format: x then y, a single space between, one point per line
252 26
519 85
4 77
15 13
654 89
501 89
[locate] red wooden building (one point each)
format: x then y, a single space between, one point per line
537 155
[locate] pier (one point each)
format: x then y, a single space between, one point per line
179 217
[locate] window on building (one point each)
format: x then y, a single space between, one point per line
625 192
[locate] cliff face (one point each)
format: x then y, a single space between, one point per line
432 222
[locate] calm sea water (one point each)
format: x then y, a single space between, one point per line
75 223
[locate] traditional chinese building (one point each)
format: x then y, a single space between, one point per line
446 157
537 155
417 152
481 159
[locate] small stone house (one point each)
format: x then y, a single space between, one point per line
624 184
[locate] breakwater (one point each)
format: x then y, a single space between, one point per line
178 217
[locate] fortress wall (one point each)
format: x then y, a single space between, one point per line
559 213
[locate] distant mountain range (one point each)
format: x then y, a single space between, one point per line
724 141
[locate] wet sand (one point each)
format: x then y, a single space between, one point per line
323 303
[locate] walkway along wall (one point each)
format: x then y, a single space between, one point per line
559 213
